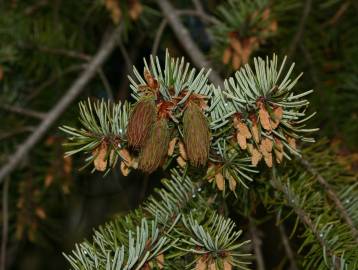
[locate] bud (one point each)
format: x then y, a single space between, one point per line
196 135
277 116
227 55
99 157
256 156
201 264
254 128
264 116
155 148
140 122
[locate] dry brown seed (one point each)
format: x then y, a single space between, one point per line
279 156
171 147
125 156
220 181
264 118
268 159
232 181
244 130
211 171
114 9
236 45
241 140
40 212
236 61
212 265
124 168
135 9
292 142
181 162
265 14
273 26
256 157
255 132
227 264
250 147
227 55
266 146
201 264
99 154
151 81
278 151
182 151
160 260
277 114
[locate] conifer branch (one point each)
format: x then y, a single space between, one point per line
286 242
256 242
76 88
333 196
177 220
305 218
23 111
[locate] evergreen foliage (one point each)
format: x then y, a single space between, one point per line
227 159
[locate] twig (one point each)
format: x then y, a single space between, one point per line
286 243
64 52
5 224
186 41
53 79
199 6
76 88
23 111
333 196
203 16
106 84
158 36
256 241
305 219
122 92
15 132
125 54
301 27
164 23
343 8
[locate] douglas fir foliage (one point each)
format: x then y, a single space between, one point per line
182 121
229 160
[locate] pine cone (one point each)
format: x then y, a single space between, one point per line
141 121
155 148
196 135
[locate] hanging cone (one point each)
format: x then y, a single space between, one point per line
155 148
196 135
140 122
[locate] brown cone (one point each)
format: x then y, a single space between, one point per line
155 148
140 122
196 135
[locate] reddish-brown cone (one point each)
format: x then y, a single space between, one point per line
155 148
196 135
140 122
